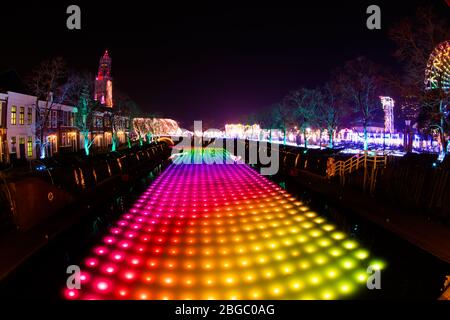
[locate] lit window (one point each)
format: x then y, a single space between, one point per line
30 116
13 144
22 115
30 147
13 115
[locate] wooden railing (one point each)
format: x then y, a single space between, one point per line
370 163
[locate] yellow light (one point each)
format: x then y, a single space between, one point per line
307 296
315 233
276 290
311 214
168 280
268 273
233 296
307 225
336 252
328 227
257 248
209 280
287 269
362 254
361 276
207 264
377 264
229 280
338 235
348 263
256 293
304 264
319 220
310 248
327 294
302 239
324 242
320 259
296 285
350 244
345 287
315 279
250 277
279 255
244 262
262 259
332 273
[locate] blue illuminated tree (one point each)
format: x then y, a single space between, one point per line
86 109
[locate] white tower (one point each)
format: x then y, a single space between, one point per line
388 108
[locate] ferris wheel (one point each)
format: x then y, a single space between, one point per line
437 73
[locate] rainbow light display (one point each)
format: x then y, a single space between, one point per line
222 231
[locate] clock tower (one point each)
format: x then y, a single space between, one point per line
103 81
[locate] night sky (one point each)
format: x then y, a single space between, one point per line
196 61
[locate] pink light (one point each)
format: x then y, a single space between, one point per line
109 269
84 277
71 294
101 251
103 286
91 262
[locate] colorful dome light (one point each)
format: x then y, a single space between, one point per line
437 73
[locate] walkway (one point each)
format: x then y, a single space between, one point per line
221 231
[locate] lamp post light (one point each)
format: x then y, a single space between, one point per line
407 143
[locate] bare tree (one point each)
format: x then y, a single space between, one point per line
304 102
330 110
86 110
434 116
140 128
415 39
266 121
281 115
359 83
52 87
127 109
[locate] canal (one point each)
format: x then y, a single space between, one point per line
222 231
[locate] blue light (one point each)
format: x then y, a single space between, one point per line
41 167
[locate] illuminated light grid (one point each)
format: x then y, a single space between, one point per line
222 231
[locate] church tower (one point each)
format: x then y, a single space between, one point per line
103 81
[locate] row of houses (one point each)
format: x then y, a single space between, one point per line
18 128
21 114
